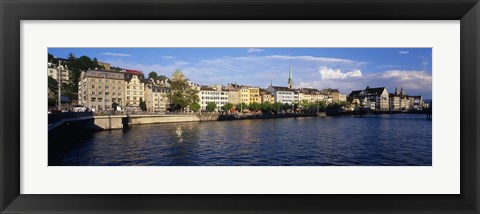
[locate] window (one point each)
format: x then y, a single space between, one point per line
107 93
119 94
128 98
93 86
128 87
93 92
134 87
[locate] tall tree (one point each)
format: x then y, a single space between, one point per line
52 59
76 66
153 75
142 105
181 93
52 85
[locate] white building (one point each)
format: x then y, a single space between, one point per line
210 94
52 71
282 94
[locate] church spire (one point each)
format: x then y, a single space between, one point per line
396 90
290 78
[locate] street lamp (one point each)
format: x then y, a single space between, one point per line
59 69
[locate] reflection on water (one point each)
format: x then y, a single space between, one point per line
401 139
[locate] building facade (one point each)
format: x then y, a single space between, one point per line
216 95
375 99
52 71
282 94
254 95
157 95
266 96
134 89
99 89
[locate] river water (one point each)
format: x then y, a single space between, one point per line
378 140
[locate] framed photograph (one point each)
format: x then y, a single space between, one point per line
239 106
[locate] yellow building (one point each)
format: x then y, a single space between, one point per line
244 94
98 89
254 95
266 96
134 89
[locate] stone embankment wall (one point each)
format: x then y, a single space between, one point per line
123 121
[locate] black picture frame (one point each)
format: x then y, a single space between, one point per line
13 11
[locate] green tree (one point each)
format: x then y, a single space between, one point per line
241 106
143 105
295 107
277 106
52 85
114 106
182 94
52 59
195 107
153 75
266 107
211 106
76 66
255 106
227 107
333 107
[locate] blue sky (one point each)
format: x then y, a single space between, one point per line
344 68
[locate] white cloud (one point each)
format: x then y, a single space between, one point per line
413 82
310 58
115 54
406 75
329 73
248 70
168 57
403 52
255 50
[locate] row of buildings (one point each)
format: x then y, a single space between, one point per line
98 89
378 99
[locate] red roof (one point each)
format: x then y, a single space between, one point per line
134 72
